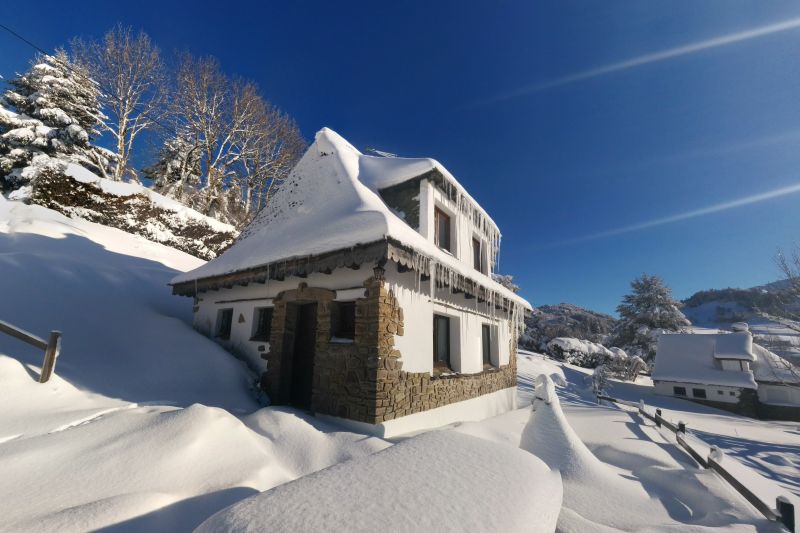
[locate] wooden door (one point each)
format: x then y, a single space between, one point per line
305 340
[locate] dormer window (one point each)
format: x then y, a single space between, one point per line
441 236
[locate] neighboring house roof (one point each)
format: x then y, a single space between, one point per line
692 358
329 203
773 369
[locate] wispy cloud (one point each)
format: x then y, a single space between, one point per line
691 48
678 217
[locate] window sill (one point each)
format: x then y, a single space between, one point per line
340 340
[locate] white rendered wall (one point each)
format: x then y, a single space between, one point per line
779 394
348 284
467 316
715 393
478 408
462 231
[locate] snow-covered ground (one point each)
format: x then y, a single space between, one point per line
147 425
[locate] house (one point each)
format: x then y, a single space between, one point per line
365 293
729 371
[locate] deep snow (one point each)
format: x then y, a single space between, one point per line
120 438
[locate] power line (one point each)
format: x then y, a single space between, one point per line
75 72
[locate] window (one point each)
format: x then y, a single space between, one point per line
720 392
441 341
477 255
343 320
699 393
262 324
732 393
486 338
441 235
679 391
224 320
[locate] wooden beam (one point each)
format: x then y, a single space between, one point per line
22 335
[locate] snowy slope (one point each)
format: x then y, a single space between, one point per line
106 290
117 438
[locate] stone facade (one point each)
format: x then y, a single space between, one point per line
365 380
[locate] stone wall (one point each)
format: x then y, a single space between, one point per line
364 380
401 393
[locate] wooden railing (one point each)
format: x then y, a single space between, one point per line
783 512
51 347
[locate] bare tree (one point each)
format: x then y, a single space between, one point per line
276 147
220 114
790 267
245 144
131 74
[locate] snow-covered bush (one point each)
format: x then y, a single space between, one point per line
600 380
578 352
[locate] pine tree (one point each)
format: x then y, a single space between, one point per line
49 116
177 172
648 307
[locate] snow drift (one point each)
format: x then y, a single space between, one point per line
438 481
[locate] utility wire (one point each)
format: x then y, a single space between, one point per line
72 70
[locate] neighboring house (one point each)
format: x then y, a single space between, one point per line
364 292
727 370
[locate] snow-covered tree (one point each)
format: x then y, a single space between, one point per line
50 112
507 281
648 309
129 69
177 172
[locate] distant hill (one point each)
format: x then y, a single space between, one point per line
564 320
770 310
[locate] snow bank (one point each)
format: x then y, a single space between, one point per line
158 468
124 335
595 494
439 481
118 188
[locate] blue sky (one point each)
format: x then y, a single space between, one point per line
589 130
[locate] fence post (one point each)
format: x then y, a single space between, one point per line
50 355
786 510
682 427
658 417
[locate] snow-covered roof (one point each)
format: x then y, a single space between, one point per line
331 202
691 358
771 368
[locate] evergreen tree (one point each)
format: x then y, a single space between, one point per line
177 172
648 308
49 116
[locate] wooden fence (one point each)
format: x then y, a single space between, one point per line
783 512
51 347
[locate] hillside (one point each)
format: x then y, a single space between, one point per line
564 320
768 310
